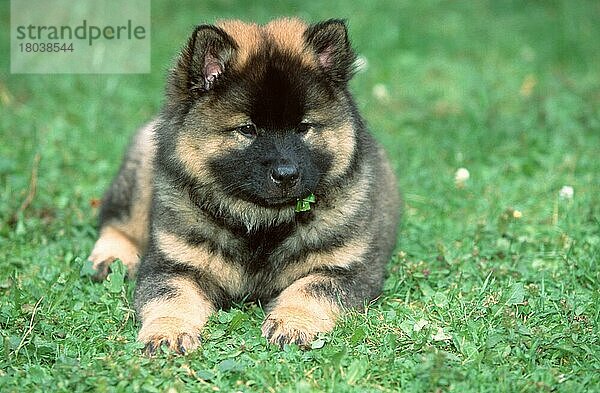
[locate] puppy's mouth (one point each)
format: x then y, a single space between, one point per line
286 199
275 197
281 201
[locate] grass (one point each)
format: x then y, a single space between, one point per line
494 286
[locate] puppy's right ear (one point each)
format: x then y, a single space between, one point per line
329 40
206 55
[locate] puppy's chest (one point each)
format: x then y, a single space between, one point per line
264 261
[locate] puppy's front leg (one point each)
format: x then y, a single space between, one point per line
125 212
173 304
307 307
174 315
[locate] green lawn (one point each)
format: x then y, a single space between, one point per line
495 285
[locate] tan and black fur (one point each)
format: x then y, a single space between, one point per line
255 118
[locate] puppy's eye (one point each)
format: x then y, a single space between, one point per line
303 128
248 130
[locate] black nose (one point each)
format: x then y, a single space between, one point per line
285 174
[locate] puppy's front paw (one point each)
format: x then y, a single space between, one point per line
113 245
176 334
295 325
101 266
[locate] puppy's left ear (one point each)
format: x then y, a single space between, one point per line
329 40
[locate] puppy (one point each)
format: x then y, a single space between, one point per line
258 181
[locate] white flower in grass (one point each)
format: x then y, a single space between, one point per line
566 192
461 176
380 92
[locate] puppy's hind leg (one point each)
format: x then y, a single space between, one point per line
125 209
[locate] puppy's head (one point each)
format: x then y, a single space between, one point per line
262 112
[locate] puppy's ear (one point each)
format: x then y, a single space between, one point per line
329 40
204 58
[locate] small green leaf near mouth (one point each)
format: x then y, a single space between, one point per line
311 198
303 204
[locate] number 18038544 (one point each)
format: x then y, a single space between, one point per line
46 47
